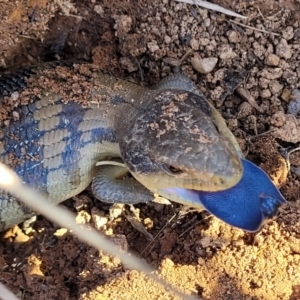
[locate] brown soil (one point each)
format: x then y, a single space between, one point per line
137 40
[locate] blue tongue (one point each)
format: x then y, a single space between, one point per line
247 204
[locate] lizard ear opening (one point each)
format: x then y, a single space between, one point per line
173 171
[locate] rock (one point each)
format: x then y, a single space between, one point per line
294 106
123 25
226 52
152 46
194 44
99 10
205 65
206 22
272 60
278 119
283 49
288 33
15 96
233 36
167 39
286 95
128 64
99 218
275 87
83 217
290 130
245 109
265 93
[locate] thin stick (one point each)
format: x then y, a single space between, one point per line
156 236
288 157
250 27
261 134
6 294
194 225
260 12
214 7
189 52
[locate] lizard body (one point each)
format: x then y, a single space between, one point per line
70 116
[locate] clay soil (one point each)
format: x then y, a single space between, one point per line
141 41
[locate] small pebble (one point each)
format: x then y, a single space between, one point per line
128 64
275 87
205 65
152 46
226 52
123 25
286 95
99 221
60 232
272 60
167 39
15 96
206 22
99 10
156 31
99 218
16 115
288 33
294 106
115 211
244 110
233 36
283 49
194 44
83 217
265 93
278 119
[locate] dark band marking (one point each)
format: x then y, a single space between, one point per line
23 140
14 82
117 99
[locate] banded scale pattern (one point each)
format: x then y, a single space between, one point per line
58 120
54 148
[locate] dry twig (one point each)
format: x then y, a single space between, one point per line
214 7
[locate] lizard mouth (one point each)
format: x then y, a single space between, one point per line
247 205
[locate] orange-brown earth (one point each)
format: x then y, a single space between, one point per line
138 40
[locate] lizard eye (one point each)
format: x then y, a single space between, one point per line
171 170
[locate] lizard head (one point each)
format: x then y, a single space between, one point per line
180 148
247 205
173 140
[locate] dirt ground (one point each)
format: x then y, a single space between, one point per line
142 40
